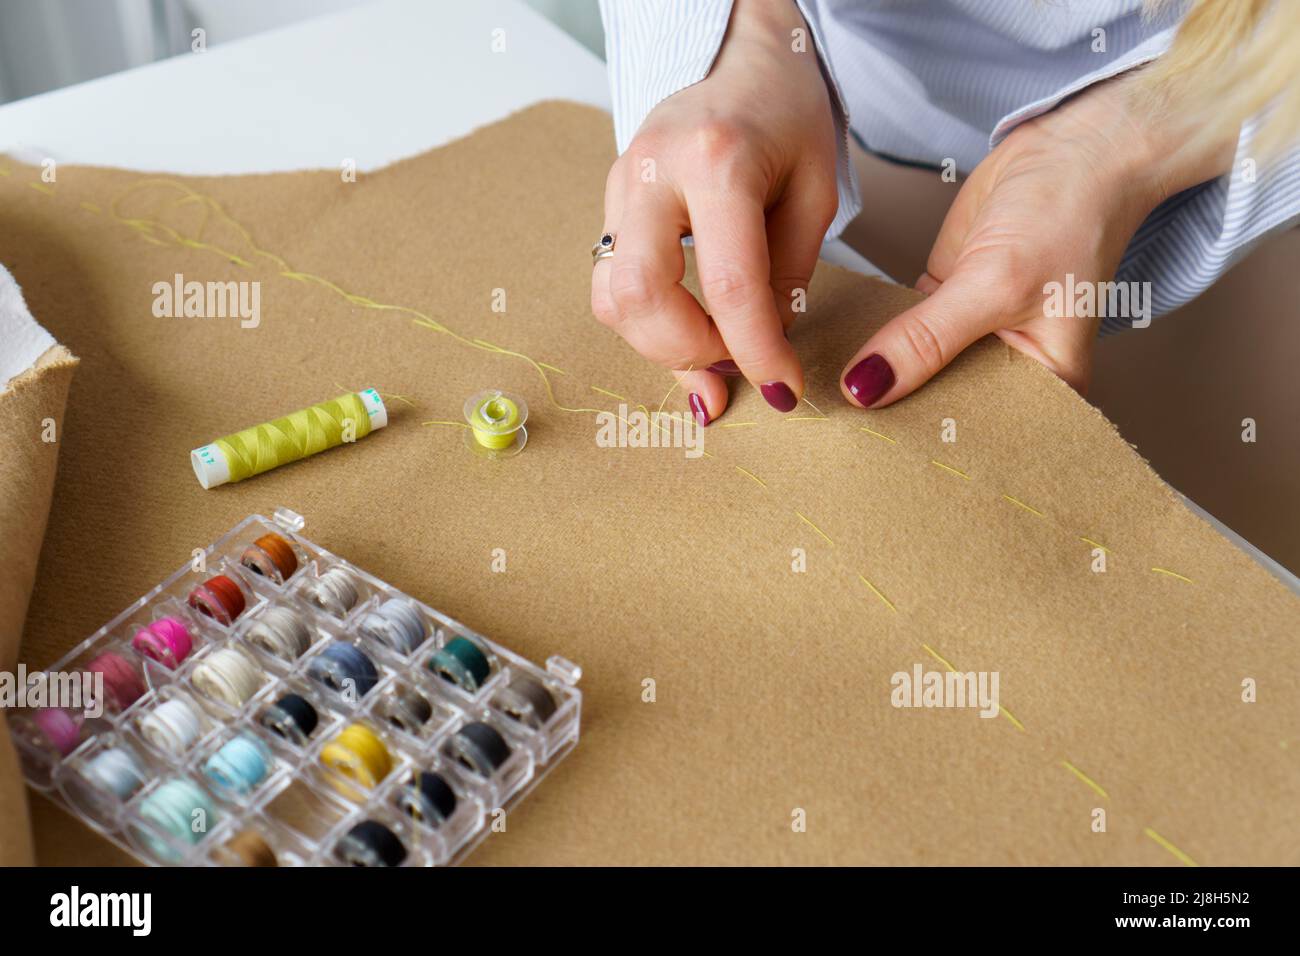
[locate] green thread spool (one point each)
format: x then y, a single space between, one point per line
496 423
307 431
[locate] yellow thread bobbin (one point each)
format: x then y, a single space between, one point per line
357 754
496 424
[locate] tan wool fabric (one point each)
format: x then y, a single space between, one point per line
737 710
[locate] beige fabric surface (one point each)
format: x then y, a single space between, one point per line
772 687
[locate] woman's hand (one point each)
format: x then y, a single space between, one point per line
1062 194
744 161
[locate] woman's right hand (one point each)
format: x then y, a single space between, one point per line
743 161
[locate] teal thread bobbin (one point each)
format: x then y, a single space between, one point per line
462 662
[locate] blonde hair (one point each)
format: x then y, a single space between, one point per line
1231 59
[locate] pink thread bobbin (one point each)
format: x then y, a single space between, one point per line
166 641
122 683
60 728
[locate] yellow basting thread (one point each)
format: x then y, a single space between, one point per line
1086 779
1182 857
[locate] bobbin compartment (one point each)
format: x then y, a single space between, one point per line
399 706
99 780
163 634
475 758
239 764
47 736
268 714
287 848
345 669
192 822
351 787
171 723
324 587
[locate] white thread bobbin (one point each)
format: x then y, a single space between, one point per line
281 632
172 726
116 771
228 676
496 424
333 592
395 624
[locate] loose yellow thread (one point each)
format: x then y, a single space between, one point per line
876 591
1182 857
806 418
815 528
1085 778
1172 574
738 424
750 474
552 368
814 407
1031 510
4 171
676 382
864 428
42 188
1095 544
90 207
959 474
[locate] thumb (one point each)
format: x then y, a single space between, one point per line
912 347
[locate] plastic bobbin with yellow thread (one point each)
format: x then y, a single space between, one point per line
358 755
496 424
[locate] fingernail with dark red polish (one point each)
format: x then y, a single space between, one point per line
779 396
697 408
869 379
725 367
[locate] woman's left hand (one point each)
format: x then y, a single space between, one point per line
1061 195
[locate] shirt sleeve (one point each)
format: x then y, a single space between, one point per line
1191 239
657 49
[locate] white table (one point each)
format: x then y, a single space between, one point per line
373 84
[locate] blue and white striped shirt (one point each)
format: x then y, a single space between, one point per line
930 80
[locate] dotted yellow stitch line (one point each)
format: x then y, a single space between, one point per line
1029 508
142 228
824 535
1182 857
1086 779
1172 574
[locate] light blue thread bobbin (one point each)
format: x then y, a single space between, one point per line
240 765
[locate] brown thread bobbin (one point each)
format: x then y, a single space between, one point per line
249 849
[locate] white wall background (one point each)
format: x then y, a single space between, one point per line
47 44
